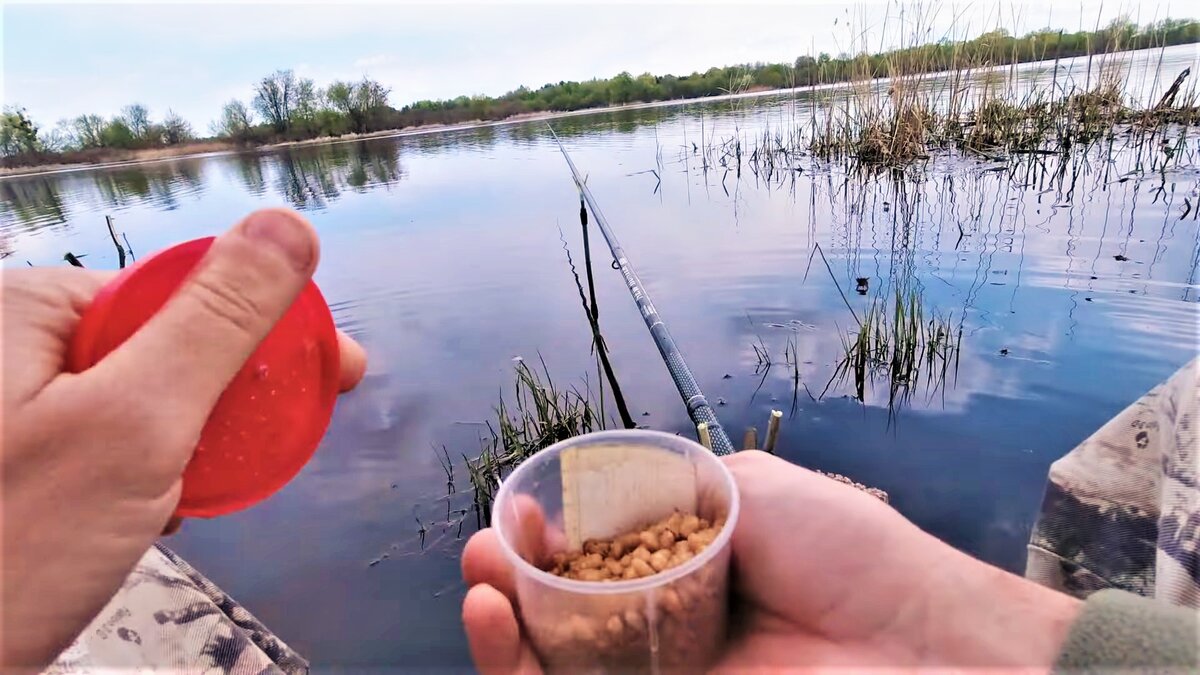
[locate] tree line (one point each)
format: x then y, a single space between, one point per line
285 107
131 129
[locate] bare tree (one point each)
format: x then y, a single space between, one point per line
275 98
62 137
88 131
137 118
175 129
235 121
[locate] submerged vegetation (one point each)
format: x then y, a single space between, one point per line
284 107
902 343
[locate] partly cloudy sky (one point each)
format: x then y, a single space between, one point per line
60 60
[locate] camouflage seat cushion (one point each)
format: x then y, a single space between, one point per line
169 617
1122 510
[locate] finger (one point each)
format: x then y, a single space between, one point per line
532 543
484 560
484 563
494 635
80 285
353 361
186 354
535 540
172 526
42 308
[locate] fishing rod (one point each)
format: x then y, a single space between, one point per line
698 408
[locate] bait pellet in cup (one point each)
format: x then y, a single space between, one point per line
621 545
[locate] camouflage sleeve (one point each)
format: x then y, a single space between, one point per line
1122 509
169 617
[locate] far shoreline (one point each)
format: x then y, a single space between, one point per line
49 169
188 152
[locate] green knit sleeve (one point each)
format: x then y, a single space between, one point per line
1119 630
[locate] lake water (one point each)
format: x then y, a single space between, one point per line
442 254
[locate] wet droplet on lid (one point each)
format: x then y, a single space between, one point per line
262 371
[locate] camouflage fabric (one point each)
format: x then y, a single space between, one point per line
1122 510
169 617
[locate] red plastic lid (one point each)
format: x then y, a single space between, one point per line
270 419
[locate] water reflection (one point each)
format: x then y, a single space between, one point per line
31 202
250 174
124 187
308 177
473 139
975 243
311 177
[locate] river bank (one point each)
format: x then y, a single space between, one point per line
206 149
121 157
1065 67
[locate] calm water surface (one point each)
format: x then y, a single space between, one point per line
443 255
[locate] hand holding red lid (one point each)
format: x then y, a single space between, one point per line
92 462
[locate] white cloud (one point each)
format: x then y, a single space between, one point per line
374 60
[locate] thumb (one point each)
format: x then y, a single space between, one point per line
186 354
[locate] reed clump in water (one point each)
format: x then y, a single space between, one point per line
538 415
904 127
895 109
876 125
1001 124
903 344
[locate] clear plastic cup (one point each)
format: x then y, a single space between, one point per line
598 486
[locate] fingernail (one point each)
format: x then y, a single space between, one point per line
284 231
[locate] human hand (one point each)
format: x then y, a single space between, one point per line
91 463
824 576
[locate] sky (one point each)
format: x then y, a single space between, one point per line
61 60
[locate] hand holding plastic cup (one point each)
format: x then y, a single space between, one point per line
597 487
